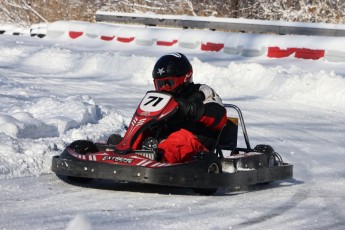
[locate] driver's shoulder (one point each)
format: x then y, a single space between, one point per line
210 94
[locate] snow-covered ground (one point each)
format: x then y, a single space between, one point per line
55 91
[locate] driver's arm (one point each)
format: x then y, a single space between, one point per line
206 107
214 115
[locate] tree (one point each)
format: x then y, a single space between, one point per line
34 11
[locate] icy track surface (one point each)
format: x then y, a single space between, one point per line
53 92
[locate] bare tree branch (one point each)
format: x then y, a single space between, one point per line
34 11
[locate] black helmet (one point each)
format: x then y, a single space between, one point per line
172 71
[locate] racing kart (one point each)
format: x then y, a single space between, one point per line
84 160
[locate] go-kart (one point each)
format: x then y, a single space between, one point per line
84 160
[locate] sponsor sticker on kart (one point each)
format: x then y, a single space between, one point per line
118 159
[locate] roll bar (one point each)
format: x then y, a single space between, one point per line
244 130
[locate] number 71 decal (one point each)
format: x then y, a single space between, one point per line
154 102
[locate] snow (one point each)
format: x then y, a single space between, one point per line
57 90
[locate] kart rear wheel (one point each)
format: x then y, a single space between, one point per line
214 168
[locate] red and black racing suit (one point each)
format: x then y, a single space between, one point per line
195 126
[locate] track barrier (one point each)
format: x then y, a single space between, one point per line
231 43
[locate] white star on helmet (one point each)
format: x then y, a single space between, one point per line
161 71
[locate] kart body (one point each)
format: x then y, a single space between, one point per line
84 160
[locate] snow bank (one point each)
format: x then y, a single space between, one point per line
321 89
36 125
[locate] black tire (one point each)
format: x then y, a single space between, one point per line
114 139
274 158
83 147
267 149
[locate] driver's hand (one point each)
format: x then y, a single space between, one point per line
191 110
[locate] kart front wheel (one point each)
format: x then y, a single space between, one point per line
83 147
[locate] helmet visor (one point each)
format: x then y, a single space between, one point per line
166 84
169 84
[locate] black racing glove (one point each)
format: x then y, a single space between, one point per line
190 110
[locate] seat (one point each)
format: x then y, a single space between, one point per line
227 139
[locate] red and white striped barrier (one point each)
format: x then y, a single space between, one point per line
248 45
314 54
